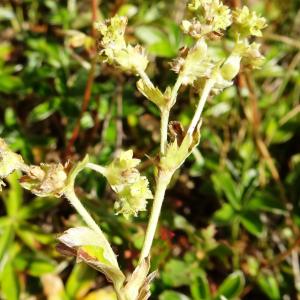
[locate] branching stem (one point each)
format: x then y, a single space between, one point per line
71 196
205 93
162 182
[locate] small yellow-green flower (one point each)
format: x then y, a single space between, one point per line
114 49
9 162
132 197
194 64
231 67
131 188
247 23
211 16
46 180
252 57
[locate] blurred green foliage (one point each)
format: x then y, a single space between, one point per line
230 223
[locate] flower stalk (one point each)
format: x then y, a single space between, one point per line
194 67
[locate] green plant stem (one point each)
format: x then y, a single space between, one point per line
145 77
175 90
162 183
165 114
164 130
119 294
205 93
96 168
71 196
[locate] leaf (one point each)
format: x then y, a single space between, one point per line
44 110
200 288
172 295
92 248
224 215
177 152
7 235
37 207
40 266
150 34
9 83
176 273
152 93
33 235
252 222
223 182
232 286
15 195
81 279
138 284
265 202
9 282
269 285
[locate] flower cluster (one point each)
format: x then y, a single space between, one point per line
9 162
115 51
211 17
193 64
247 23
46 180
131 188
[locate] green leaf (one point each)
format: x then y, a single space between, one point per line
224 183
37 207
176 273
15 195
232 286
6 238
94 250
224 215
269 285
172 295
40 266
9 83
9 282
265 202
150 34
162 49
200 288
33 235
152 93
80 277
44 110
252 222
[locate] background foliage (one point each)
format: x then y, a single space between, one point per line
230 222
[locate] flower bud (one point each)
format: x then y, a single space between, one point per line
9 162
231 67
131 188
211 16
114 49
247 23
46 180
193 64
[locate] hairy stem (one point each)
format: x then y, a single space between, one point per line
164 130
165 116
96 168
205 93
120 294
162 182
145 78
175 90
71 196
